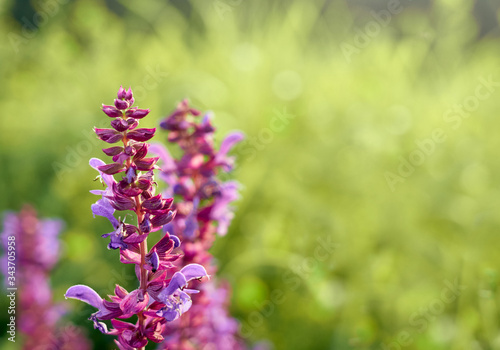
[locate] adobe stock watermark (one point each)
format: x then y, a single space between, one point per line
420 320
372 29
31 26
427 146
223 7
251 145
291 282
80 152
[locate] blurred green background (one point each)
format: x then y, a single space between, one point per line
369 214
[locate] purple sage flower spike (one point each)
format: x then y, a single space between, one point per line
133 190
202 211
37 248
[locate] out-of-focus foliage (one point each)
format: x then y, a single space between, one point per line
356 143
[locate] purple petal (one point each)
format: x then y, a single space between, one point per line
154 260
131 175
95 162
108 179
223 224
177 241
103 208
122 346
134 302
191 227
229 142
191 222
120 291
221 211
193 271
175 306
186 301
47 249
85 294
168 314
221 157
191 291
101 326
178 281
145 225
162 152
116 238
116 242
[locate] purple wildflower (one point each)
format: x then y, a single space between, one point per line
221 211
36 252
158 298
203 210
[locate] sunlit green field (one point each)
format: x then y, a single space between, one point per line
370 211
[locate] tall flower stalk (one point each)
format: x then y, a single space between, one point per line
34 251
162 294
203 210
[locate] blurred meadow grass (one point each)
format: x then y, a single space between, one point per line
320 176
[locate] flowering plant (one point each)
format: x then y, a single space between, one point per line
31 251
203 210
162 295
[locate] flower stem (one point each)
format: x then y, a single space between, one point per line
143 246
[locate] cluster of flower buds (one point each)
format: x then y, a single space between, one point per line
203 209
32 250
205 199
162 295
